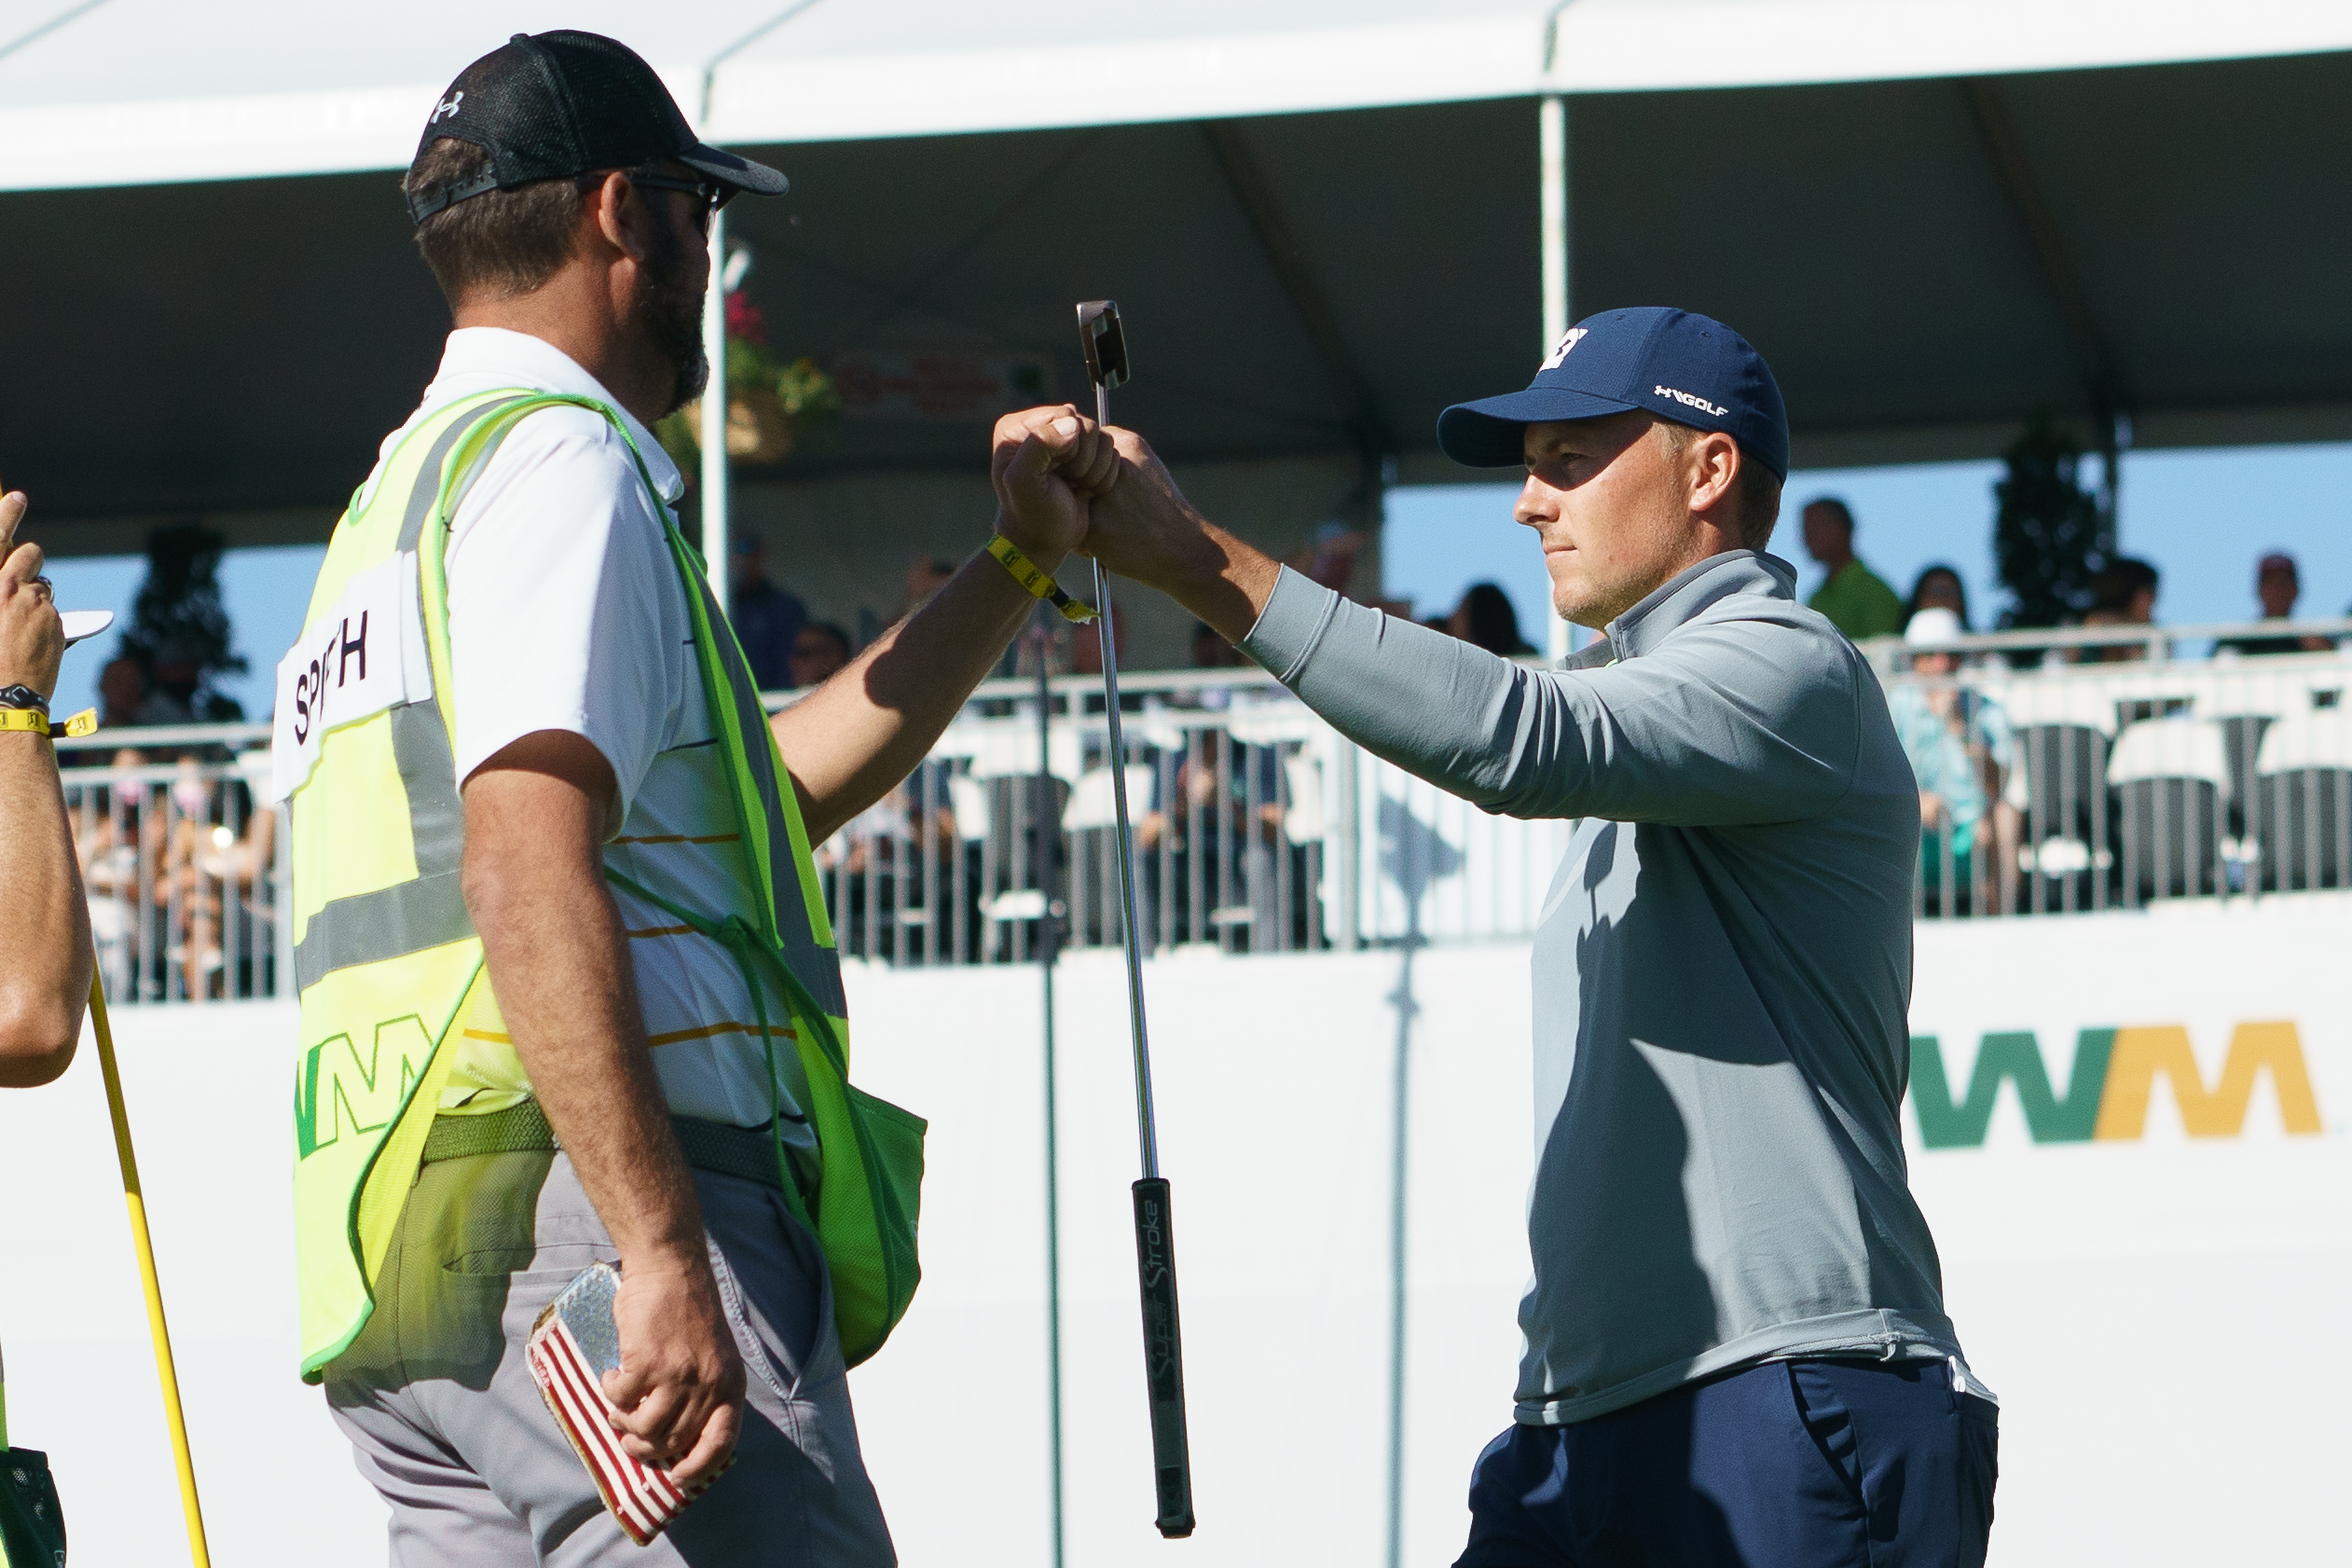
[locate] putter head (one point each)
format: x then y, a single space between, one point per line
1105 344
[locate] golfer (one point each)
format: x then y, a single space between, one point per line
539 736
1736 1345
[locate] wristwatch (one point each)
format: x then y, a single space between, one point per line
24 697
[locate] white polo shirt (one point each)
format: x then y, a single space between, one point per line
566 614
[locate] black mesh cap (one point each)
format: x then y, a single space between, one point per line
551 105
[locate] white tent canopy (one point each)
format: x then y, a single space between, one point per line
1933 216
106 93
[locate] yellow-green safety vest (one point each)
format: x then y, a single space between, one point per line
387 964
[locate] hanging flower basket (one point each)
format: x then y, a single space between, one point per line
772 409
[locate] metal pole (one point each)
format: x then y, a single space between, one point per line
1049 948
1399 1171
1551 123
1348 847
715 500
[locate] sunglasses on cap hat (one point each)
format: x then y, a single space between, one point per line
708 193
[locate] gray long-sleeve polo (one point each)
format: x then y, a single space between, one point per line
1722 969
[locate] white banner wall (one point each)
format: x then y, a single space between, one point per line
2154 1309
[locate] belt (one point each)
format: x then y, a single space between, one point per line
747 1152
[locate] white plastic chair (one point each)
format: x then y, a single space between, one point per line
1094 804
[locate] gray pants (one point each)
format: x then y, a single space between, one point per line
446 1424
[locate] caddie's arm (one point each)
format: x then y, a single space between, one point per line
534 883
1714 728
851 741
45 985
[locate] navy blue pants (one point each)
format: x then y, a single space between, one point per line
1787 1464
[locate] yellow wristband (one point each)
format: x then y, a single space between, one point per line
1040 583
82 723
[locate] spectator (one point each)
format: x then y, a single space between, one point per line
767 619
818 652
1485 619
2124 595
874 854
2278 583
122 686
1959 742
1939 587
171 687
1218 848
1855 599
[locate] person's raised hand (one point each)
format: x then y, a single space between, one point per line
1048 464
1144 527
679 1385
32 635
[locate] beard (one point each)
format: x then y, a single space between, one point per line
672 312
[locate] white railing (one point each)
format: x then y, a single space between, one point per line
183 861
2065 782
2092 771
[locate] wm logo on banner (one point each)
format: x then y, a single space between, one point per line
2106 1097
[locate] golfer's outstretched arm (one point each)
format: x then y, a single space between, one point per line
851 741
45 985
1712 729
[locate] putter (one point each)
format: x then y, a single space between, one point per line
1106 348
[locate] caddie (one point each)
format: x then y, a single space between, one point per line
568 993
1735 1343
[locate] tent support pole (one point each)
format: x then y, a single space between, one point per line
1551 133
1049 947
714 417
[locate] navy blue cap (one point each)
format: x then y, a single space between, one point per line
1691 369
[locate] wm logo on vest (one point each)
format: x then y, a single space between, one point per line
335 1092
2115 1072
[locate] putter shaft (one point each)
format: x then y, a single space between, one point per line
1146 1133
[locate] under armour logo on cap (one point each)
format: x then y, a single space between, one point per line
446 108
1561 352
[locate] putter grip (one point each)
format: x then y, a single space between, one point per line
1163 1358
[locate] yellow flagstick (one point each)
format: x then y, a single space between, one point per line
170 1379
